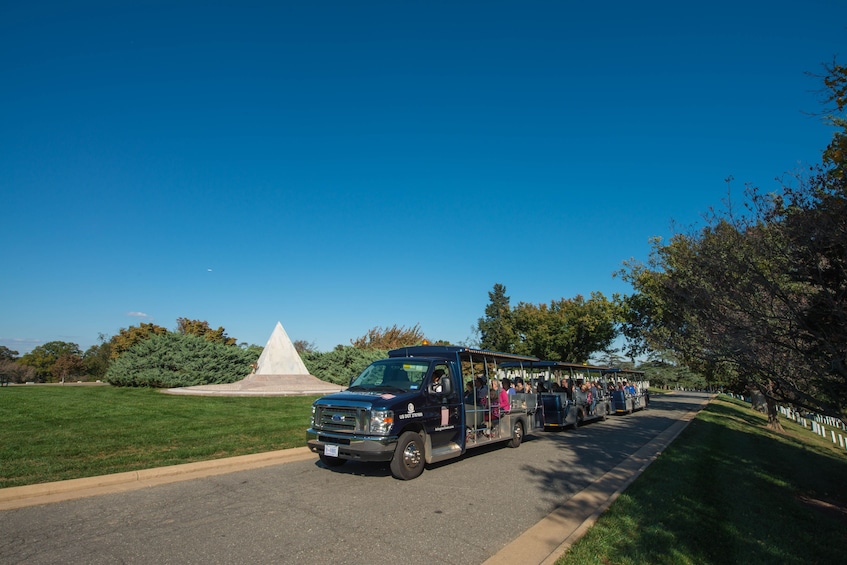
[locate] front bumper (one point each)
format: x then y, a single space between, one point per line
353 447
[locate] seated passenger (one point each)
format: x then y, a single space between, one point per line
481 391
595 395
499 399
470 393
503 394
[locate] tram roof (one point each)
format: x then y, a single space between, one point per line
441 350
555 365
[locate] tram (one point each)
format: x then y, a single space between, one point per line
568 394
629 390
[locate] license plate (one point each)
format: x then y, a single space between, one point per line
331 451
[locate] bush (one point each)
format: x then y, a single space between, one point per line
341 364
176 360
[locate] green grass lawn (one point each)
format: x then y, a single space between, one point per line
729 490
53 433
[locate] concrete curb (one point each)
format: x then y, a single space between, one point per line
46 493
545 542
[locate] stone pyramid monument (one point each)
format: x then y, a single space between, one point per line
278 372
279 357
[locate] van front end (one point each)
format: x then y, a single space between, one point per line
356 431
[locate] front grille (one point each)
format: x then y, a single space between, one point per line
329 418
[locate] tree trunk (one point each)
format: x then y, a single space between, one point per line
773 415
758 400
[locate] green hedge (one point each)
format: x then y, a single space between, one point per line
176 360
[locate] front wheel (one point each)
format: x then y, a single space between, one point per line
408 460
517 435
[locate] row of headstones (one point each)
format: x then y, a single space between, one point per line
818 425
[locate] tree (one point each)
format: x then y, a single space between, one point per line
127 337
98 357
302 346
389 338
7 354
15 372
759 298
202 329
496 328
566 329
713 302
68 366
43 357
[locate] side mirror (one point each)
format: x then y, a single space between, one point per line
446 386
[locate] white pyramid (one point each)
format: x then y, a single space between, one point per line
279 356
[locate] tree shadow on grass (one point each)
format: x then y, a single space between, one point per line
723 494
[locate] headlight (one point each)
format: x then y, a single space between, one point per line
312 418
381 421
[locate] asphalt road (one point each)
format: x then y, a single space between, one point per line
457 512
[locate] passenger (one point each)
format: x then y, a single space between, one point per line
470 393
568 387
541 388
507 386
595 395
519 385
589 398
527 387
481 391
499 400
505 401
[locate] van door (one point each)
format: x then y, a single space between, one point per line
441 413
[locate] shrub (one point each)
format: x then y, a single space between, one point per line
176 360
341 364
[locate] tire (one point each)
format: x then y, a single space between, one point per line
332 461
408 461
517 435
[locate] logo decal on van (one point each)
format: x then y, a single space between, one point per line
411 413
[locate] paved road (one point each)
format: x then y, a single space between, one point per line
458 512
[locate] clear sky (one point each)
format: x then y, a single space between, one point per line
341 165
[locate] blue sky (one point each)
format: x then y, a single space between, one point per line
338 166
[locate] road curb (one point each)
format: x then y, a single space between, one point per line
46 493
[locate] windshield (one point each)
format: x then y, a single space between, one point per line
391 375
